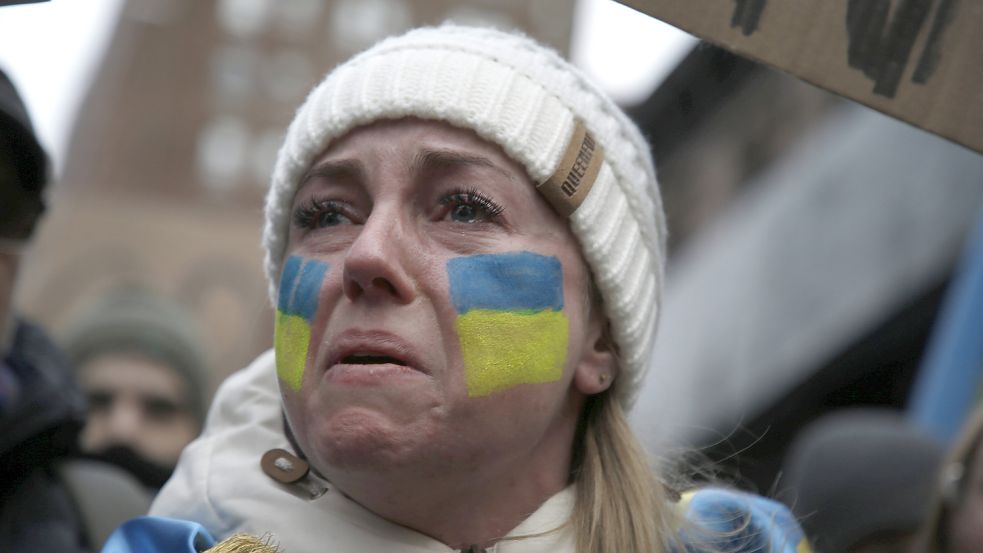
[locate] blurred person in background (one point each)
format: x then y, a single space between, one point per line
860 481
955 524
49 500
465 244
140 362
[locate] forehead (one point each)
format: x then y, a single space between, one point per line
420 140
131 372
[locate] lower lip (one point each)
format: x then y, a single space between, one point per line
370 375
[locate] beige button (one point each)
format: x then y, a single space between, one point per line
283 466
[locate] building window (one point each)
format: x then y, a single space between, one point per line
233 72
297 18
221 152
264 150
289 74
357 24
244 18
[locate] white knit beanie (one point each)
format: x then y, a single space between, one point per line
524 97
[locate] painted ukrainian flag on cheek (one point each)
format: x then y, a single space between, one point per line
510 319
300 285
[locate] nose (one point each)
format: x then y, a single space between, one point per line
375 266
125 421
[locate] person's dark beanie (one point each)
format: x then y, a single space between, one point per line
21 197
857 474
138 321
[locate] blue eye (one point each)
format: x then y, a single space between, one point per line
470 207
330 219
464 213
317 213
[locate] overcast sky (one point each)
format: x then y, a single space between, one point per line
51 50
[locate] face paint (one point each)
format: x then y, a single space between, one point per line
510 319
300 285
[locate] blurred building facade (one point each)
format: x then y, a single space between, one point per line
173 147
812 241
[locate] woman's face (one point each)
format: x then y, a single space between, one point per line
433 310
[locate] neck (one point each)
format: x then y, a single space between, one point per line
476 506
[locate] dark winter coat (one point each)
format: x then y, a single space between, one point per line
38 428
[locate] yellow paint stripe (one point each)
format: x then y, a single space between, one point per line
292 339
503 349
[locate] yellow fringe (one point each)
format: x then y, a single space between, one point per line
244 543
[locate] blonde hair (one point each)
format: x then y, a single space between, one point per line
953 483
621 505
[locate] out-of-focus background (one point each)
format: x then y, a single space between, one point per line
812 239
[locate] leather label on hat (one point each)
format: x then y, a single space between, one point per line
566 189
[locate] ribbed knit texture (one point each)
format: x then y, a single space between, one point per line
525 98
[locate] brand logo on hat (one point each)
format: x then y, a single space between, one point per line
566 189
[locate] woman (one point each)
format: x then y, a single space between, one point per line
956 523
465 244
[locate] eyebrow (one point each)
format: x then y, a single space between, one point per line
335 169
425 160
442 158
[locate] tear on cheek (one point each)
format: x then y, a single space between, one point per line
300 287
510 322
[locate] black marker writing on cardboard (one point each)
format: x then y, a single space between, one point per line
881 39
747 14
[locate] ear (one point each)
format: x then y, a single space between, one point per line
598 365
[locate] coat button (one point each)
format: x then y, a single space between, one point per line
283 466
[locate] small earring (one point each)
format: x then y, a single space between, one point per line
603 378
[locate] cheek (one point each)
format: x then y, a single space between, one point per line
165 441
293 404
510 319
297 303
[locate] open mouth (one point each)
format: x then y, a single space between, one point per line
371 359
374 353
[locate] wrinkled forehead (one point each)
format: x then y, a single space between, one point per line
422 141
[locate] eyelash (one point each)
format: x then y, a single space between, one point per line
471 196
308 216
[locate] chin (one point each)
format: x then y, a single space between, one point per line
358 439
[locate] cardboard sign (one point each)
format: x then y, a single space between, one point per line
918 60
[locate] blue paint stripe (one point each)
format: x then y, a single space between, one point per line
506 281
304 301
288 281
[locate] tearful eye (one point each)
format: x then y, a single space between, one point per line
470 207
464 213
330 219
318 213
